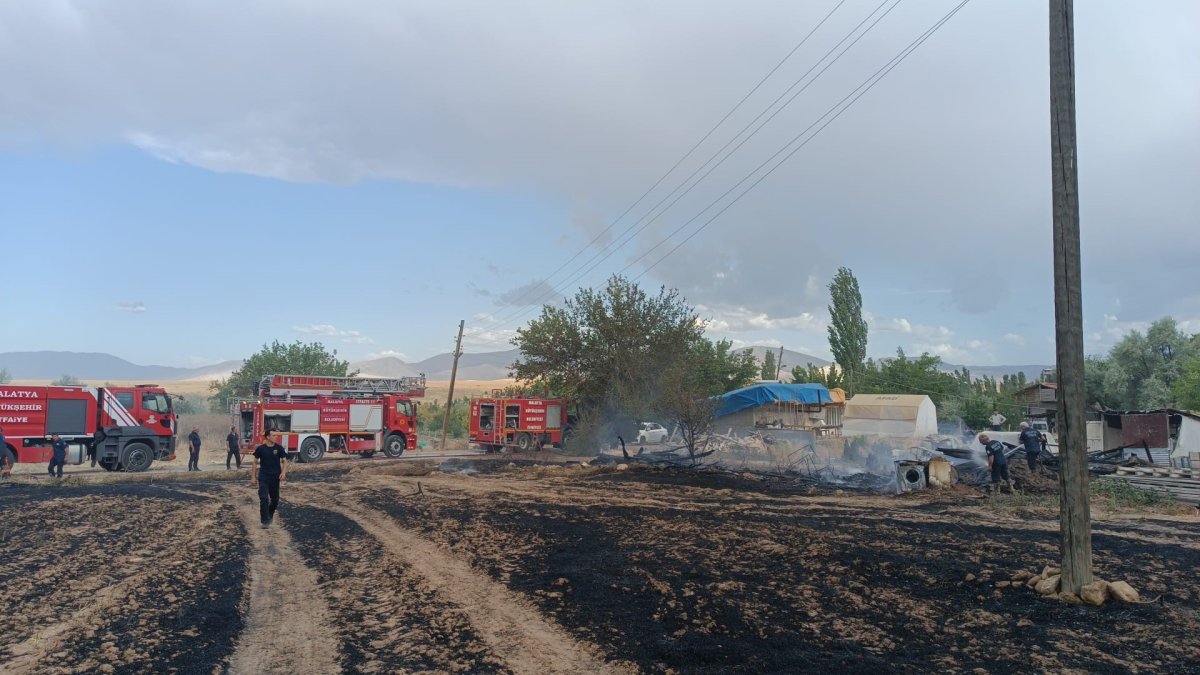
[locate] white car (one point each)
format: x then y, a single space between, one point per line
652 433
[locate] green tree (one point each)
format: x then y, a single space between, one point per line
608 350
830 376
768 366
847 327
298 358
5 377
1187 387
430 416
1141 370
66 381
720 368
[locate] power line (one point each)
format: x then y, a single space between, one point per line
605 253
646 223
700 142
833 113
866 86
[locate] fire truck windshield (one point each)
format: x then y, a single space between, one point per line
158 403
404 408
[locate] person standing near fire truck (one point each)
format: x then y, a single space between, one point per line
273 459
234 453
194 449
58 457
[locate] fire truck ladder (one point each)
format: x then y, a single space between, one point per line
321 385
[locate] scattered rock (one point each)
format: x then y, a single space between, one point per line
1095 593
1123 592
969 577
1021 575
1024 623
1070 598
1003 584
622 467
1034 581
1049 585
1050 571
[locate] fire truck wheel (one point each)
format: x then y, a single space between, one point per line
394 445
136 457
524 442
312 450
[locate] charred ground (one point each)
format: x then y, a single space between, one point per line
565 569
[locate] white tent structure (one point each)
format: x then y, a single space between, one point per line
899 415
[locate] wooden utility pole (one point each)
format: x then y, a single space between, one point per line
450 395
779 362
1075 521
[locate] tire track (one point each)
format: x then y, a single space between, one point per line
287 625
515 632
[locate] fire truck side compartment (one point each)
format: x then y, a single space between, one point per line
66 417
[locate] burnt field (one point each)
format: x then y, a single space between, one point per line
535 569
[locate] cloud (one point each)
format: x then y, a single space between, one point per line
330 331
387 353
1014 339
731 319
131 307
533 293
935 185
903 326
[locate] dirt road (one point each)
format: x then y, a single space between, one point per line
542 570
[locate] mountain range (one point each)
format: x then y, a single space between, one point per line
50 365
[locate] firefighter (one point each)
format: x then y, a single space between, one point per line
58 457
273 458
232 440
1034 441
194 449
997 463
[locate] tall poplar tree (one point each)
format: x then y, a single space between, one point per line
847 327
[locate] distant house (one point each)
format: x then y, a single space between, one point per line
1039 399
774 405
900 415
1170 437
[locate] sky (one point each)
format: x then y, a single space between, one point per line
182 182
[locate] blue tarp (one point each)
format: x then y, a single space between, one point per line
762 394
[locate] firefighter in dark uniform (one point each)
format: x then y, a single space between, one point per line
1033 441
58 458
997 463
273 460
234 453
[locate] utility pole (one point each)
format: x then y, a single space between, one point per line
1075 538
779 362
453 376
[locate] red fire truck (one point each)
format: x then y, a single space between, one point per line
312 415
124 428
525 424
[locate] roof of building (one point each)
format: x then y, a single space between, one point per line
767 393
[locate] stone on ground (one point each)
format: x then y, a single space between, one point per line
1095 593
1049 585
1123 592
